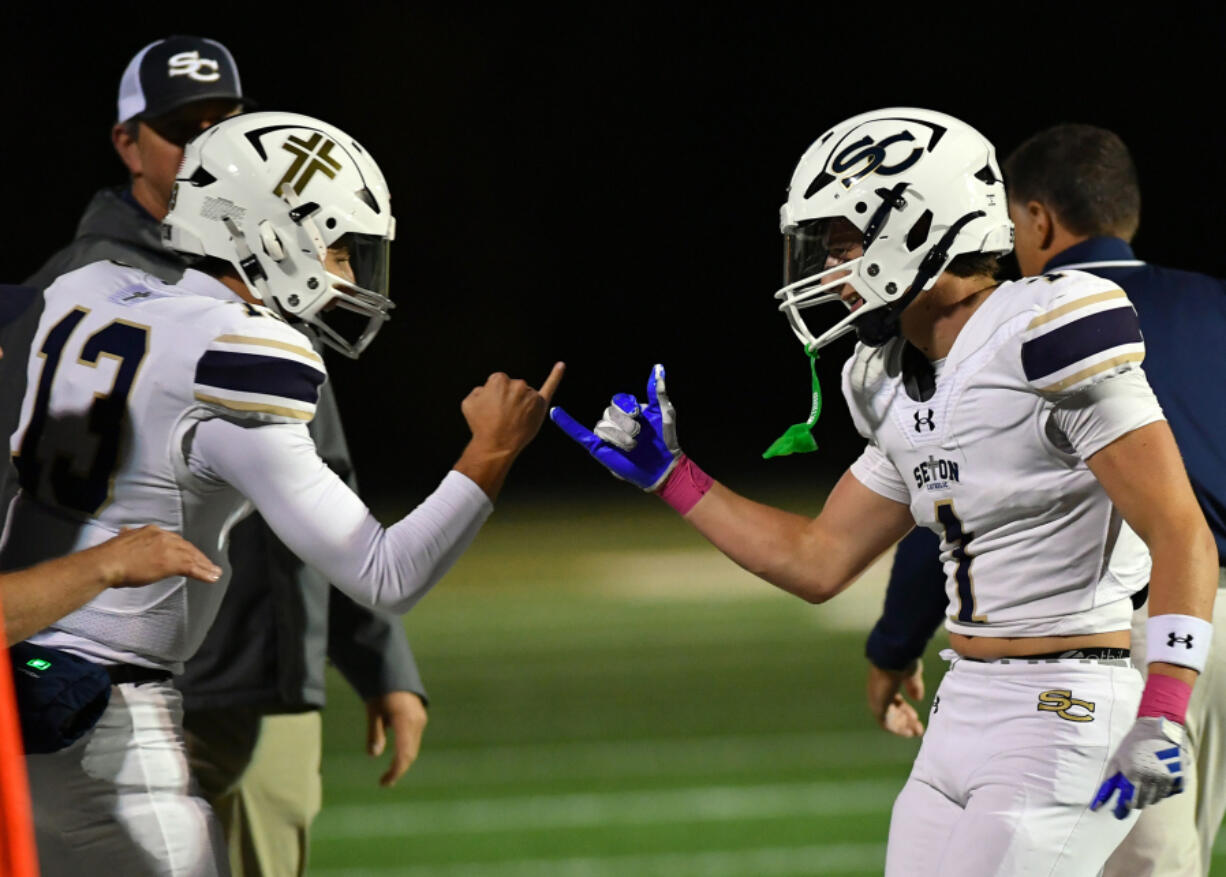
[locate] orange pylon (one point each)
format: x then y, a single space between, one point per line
17 854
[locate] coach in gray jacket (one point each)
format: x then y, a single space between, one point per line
253 692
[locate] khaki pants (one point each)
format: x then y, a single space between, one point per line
1174 838
260 773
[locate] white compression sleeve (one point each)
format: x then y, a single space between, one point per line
321 520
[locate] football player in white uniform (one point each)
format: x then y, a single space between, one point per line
1015 421
184 405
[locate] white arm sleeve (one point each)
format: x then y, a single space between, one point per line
1098 415
322 521
875 471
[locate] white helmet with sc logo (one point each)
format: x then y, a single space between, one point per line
271 193
920 186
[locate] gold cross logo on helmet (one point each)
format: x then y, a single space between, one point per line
311 156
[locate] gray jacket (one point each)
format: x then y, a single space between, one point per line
280 618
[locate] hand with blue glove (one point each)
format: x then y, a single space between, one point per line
1148 766
636 442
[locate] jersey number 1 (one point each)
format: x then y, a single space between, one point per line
76 480
960 540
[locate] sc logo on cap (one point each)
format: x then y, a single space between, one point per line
190 64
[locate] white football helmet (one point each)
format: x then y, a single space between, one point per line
270 193
922 188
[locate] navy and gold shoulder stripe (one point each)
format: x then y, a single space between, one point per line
1079 342
260 377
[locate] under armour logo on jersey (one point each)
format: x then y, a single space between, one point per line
1172 639
191 65
925 421
311 156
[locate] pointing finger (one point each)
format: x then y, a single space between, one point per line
574 428
656 393
551 383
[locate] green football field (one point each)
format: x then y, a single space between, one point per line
610 696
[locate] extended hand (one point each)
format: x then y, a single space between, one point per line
150 554
505 414
888 706
404 714
1148 766
637 443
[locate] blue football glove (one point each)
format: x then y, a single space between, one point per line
1148 766
637 443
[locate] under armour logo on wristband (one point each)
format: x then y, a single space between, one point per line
1186 640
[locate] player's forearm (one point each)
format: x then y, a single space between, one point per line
39 595
915 603
394 567
1184 576
1183 580
485 466
325 523
771 543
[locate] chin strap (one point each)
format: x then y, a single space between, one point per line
798 439
253 274
879 326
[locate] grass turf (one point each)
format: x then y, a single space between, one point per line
611 697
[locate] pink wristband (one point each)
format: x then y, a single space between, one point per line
1165 696
685 485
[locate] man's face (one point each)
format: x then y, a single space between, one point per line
154 156
844 242
337 260
1028 237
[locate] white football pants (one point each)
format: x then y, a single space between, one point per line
1014 753
121 800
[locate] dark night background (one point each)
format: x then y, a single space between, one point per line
601 185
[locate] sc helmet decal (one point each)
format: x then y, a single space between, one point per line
867 155
874 154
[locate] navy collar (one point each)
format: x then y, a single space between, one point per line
1093 251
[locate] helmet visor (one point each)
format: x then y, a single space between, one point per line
357 304
817 245
804 250
369 255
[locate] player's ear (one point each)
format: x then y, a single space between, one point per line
124 138
1042 223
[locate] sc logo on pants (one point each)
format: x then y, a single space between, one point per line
1061 702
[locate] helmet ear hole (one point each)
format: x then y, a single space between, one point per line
272 243
919 232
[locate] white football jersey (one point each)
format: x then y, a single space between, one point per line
123 366
183 406
991 454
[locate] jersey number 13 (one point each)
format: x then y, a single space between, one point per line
79 473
